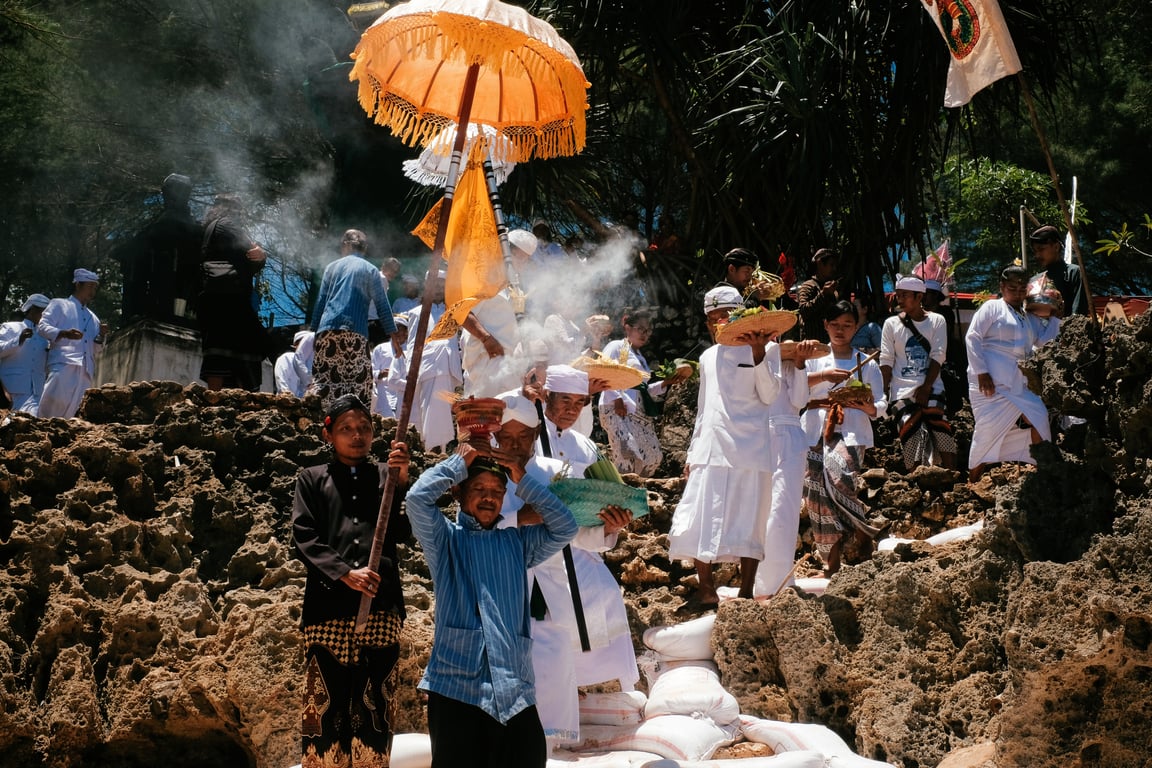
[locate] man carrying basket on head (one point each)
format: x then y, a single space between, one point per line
723 515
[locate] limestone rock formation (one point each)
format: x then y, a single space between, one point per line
151 597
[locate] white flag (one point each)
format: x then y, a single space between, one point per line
978 39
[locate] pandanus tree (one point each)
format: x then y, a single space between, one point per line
783 126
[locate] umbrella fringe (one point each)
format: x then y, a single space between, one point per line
557 138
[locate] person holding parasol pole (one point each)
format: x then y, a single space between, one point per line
348 675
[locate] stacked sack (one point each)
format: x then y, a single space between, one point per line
688 715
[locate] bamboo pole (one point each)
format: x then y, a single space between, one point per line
1059 193
393 479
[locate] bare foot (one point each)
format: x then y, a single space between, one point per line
707 596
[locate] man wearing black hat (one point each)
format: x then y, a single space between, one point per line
348 681
479 679
740 265
1066 277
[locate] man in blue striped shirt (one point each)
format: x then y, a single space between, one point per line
481 694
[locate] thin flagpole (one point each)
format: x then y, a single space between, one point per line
517 294
1039 130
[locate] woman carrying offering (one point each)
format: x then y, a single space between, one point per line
624 414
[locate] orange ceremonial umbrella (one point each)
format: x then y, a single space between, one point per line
413 66
427 64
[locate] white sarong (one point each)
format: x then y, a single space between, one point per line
64 390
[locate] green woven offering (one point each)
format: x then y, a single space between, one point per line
587 497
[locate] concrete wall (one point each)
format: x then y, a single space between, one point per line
150 350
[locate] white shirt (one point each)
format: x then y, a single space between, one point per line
857 426
67 314
287 374
23 367
389 388
998 338
909 363
732 408
570 446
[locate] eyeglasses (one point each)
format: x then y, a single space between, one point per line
641 328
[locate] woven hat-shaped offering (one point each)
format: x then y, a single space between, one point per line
617 373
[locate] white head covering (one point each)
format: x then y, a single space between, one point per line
566 380
935 285
524 240
519 408
299 336
910 283
82 275
35 300
403 319
722 297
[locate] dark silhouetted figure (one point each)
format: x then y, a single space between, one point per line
161 264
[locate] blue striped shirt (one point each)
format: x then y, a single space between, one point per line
481 651
350 284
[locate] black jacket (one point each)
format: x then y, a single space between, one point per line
333 521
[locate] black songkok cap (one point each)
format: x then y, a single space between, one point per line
1046 234
342 405
487 464
740 257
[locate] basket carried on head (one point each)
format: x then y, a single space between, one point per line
754 320
477 418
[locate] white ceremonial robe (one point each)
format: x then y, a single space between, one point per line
486 376
287 374
857 425
389 388
789 447
999 338
612 656
440 372
23 367
723 514
71 362
553 659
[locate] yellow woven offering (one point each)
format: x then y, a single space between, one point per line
617 373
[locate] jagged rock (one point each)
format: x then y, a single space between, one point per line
151 597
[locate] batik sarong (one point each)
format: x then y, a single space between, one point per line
342 366
349 693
